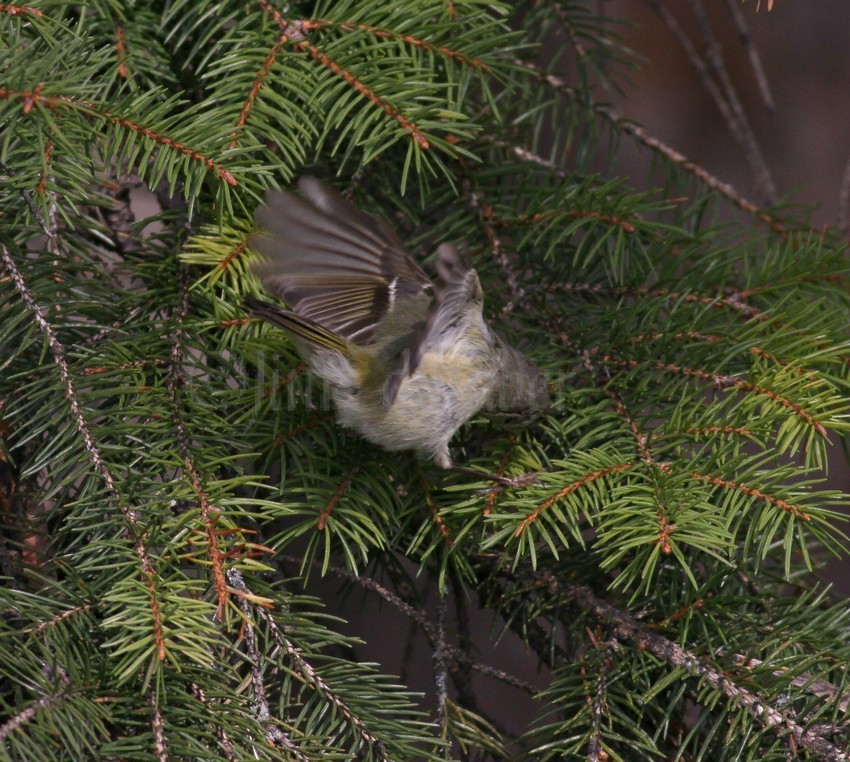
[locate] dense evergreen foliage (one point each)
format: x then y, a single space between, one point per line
163 457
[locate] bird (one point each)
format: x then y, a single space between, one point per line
408 361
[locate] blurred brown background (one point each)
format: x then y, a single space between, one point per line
804 48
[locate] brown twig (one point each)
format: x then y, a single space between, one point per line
420 618
748 140
221 734
160 745
95 455
626 627
34 97
303 667
570 488
671 154
27 714
175 383
752 52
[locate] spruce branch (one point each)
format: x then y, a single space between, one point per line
752 52
116 499
456 655
721 381
160 744
175 381
18 721
728 191
71 395
440 666
722 93
35 97
657 572
12 9
274 734
221 734
629 629
302 666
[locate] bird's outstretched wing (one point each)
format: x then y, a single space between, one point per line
332 263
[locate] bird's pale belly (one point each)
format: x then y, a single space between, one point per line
425 414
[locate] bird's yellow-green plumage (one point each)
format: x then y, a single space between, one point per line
407 362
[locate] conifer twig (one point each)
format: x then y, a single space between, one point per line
220 732
658 146
752 52
175 382
95 454
440 669
20 719
752 149
160 745
628 628
272 732
420 618
305 669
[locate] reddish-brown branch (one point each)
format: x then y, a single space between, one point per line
133 365
388 108
19 10
681 613
31 98
287 380
296 31
742 431
121 50
432 507
503 464
259 81
794 510
640 438
236 252
164 140
572 487
149 576
710 338
665 530
665 526
322 521
386 34
41 188
726 382
737 430
732 302
234 321
209 515
298 430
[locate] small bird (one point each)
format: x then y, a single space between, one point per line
408 362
